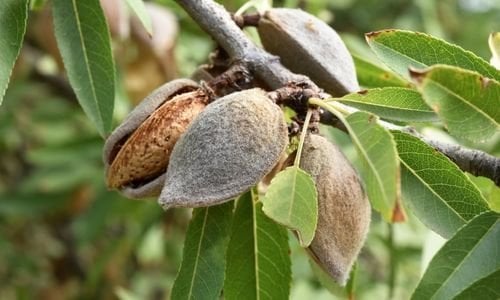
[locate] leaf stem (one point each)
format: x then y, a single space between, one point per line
338 106
302 137
337 111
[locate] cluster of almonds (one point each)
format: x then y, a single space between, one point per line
192 149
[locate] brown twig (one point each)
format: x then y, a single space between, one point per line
476 162
246 20
217 22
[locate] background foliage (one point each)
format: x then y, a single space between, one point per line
63 235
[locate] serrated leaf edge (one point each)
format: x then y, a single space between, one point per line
369 38
425 73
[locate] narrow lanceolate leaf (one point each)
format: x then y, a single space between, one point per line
436 190
83 40
487 287
13 17
468 259
373 76
393 103
201 275
468 103
140 10
292 200
377 151
401 49
258 261
380 169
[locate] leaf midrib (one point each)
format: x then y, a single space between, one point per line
420 64
431 189
292 193
256 249
372 167
430 111
464 259
87 65
198 251
478 64
355 139
464 101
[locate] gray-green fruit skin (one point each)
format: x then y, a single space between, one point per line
225 151
344 209
308 46
134 119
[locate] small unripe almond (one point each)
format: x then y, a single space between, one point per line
137 152
308 46
225 151
344 209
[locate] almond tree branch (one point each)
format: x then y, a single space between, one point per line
476 162
217 22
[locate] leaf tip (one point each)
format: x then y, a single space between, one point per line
398 213
374 34
485 82
304 242
417 75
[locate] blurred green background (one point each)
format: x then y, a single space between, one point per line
63 235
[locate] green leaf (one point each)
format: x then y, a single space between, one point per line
468 103
494 198
350 287
393 103
140 10
201 275
401 49
83 40
258 260
380 170
372 76
377 151
13 19
292 201
488 288
471 255
435 189
327 281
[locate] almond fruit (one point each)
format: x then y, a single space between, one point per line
227 149
308 46
137 152
344 209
